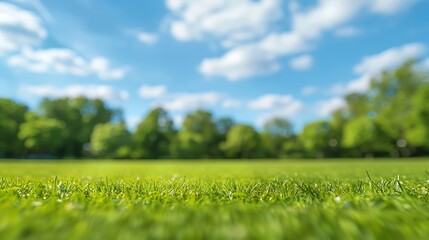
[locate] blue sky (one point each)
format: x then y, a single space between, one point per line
247 59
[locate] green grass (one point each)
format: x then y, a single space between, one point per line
215 200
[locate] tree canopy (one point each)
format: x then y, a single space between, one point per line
154 134
389 119
111 141
12 115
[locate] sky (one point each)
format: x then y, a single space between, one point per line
251 60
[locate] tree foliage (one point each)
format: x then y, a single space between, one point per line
315 138
276 132
154 134
391 118
111 141
43 135
80 115
198 136
241 142
12 115
418 120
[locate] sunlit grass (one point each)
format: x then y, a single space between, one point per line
218 200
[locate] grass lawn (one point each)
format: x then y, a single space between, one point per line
343 199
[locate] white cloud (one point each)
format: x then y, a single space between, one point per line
155 92
325 108
272 105
254 59
64 61
101 67
326 15
347 32
38 7
231 103
104 92
270 101
147 38
359 85
301 63
389 58
183 102
372 66
261 57
191 101
310 90
332 14
183 32
279 103
239 64
19 28
225 20
308 25
390 6
279 44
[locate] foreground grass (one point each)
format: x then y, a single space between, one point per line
215 200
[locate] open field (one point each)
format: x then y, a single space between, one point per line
344 199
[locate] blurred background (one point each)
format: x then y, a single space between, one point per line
214 79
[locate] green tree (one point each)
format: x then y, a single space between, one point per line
80 115
337 122
188 145
418 121
223 126
111 141
275 133
279 127
315 138
12 115
43 135
358 104
154 135
392 93
386 107
293 148
197 137
365 136
242 142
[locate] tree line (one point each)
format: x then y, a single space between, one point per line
390 119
